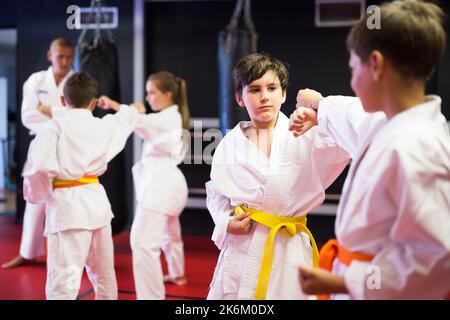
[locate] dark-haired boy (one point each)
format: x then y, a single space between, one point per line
271 181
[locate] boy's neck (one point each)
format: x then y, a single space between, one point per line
81 108
58 78
402 96
260 134
257 125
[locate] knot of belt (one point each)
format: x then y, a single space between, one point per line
289 226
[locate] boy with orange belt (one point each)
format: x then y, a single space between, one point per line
62 170
393 219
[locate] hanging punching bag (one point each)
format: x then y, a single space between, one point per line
234 43
99 58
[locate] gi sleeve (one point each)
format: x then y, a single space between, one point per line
219 207
41 165
344 119
120 125
329 158
148 127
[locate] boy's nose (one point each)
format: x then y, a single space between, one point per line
264 95
65 62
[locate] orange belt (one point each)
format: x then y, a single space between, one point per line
86 179
332 250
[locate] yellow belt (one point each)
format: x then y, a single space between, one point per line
86 179
289 226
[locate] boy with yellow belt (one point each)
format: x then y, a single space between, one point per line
270 181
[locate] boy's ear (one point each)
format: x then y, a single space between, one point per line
283 99
169 95
93 104
377 65
49 56
239 100
63 101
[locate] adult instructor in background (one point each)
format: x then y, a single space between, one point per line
41 101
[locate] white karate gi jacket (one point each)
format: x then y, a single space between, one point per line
289 183
69 147
396 206
41 88
160 185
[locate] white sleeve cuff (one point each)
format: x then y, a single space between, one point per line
220 231
322 111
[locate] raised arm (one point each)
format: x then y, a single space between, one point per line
106 103
120 125
342 118
301 120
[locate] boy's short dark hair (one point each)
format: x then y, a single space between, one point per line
80 89
254 66
411 36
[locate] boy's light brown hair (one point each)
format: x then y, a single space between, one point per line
61 42
80 89
411 37
254 66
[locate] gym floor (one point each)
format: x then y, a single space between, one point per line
28 282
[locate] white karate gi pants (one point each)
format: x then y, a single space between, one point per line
69 252
32 242
152 231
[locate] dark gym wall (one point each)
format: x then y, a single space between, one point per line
442 76
182 37
37 23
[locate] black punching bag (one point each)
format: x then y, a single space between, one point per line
99 58
234 42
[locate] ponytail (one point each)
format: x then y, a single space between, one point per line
167 82
183 103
